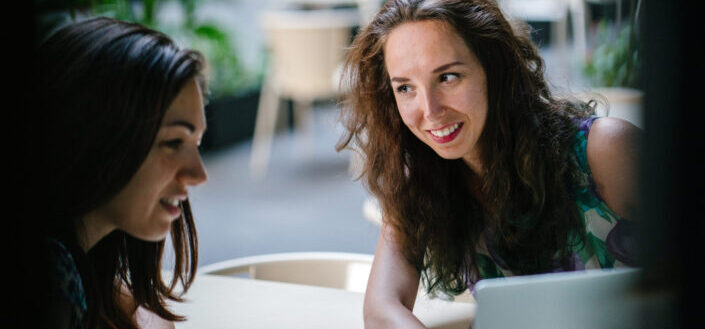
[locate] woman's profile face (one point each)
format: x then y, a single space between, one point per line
439 86
151 200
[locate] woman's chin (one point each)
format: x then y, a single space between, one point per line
448 155
154 236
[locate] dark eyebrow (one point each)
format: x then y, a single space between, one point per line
183 123
446 66
399 79
436 70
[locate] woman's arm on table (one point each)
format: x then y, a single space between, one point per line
391 288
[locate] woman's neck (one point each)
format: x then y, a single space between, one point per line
91 228
474 183
474 162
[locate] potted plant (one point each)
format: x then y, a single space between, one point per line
233 97
234 91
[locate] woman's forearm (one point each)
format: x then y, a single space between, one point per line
389 314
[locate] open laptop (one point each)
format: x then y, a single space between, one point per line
586 299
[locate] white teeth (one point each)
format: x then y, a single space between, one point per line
445 131
171 201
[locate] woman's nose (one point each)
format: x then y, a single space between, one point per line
194 173
430 104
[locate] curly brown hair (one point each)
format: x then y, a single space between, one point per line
522 203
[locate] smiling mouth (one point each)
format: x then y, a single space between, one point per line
171 201
172 205
446 134
443 132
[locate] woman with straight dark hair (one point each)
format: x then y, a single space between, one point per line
121 112
480 171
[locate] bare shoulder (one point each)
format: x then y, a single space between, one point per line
613 153
610 127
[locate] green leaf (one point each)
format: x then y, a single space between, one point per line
615 61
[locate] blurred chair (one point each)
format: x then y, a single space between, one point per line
556 13
306 50
553 11
339 270
579 21
348 271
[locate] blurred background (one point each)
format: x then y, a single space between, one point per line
304 197
276 183
308 201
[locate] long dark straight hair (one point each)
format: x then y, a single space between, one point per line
103 88
528 213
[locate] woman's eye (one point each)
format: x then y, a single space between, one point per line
403 89
173 143
447 77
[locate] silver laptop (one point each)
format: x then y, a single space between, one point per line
601 299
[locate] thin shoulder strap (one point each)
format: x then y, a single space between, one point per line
584 125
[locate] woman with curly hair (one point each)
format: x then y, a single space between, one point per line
480 171
121 110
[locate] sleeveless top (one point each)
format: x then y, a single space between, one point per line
609 240
67 286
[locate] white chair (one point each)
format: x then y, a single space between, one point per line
347 271
306 50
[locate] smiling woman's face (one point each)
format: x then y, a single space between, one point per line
151 201
439 86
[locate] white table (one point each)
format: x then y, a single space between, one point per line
227 302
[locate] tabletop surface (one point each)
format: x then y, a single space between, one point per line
228 302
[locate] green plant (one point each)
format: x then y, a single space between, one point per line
224 70
613 62
225 73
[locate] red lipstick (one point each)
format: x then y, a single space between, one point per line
448 138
